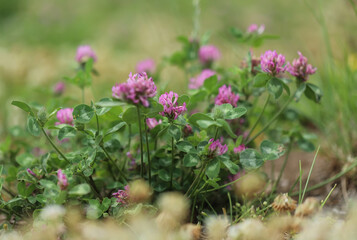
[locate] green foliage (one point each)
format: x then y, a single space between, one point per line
81 189
83 113
251 159
109 143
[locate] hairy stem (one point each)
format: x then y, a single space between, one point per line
82 94
283 166
198 180
223 186
216 133
148 151
91 183
259 117
98 128
172 161
272 119
203 167
54 146
141 144
129 140
113 163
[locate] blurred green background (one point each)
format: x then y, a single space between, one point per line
38 42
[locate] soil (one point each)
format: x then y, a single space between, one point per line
325 167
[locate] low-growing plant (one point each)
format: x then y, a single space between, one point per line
200 143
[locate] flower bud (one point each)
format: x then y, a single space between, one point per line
139 191
250 185
309 207
42 116
62 179
216 228
191 231
284 203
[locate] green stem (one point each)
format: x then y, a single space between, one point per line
95 187
209 204
182 172
113 163
193 192
196 18
54 146
300 181
328 196
82 94
216 133
91 183
259 117
223 186
129 140
141 144
98 128
283 167
193 208
196 179
310 172
148 150
172 161
230 206
331 179
272 120
354 6
111 170
294 185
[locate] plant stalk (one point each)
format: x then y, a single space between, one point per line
141 144
54 146
172 161
272 119
259 117
283 167
91 182
98 127
113 163
148 151
331 179
203 167
82 94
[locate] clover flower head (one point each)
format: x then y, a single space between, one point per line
152 122
208 54
62 179
239 149
84 53
254 28
64 116
216 148
198 81
225 95
137 89
171 107
59 88
300 68
272 63
147 65
122 196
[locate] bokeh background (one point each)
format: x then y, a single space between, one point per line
38 42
